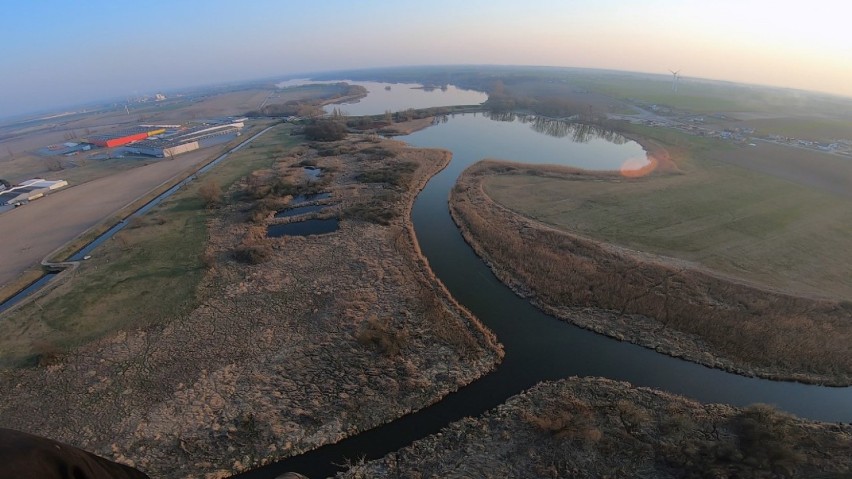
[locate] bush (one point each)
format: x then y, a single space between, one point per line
252 254
767 439
325 130
379 210
254 248
382 335
397 174
571 420
211 193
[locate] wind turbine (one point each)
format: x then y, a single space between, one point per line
675 78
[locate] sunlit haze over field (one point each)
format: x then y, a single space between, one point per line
58 53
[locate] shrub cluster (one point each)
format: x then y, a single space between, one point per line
397 174
325 130
381 334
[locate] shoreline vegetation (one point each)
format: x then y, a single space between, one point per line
288 344
309 104
595 427
661 303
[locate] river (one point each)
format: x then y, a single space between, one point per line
538 347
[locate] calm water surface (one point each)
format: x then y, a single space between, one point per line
403 96
303 228
400 97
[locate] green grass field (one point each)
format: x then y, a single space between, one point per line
148 272
804 128
735 221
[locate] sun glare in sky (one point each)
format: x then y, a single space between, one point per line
57 53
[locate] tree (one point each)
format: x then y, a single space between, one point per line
337 114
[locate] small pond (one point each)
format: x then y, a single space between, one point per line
312 173
304 228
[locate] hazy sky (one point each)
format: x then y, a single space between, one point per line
55 53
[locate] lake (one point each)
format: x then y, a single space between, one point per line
395 97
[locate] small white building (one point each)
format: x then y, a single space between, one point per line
29 190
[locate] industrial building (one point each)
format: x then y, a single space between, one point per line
66 149
29 190
189 139
123 137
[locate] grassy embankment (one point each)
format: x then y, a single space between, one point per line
592 427
739 231
146 272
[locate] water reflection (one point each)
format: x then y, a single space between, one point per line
512 136
304 228
558 128
579 132
404 96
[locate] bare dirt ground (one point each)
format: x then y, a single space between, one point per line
597 428
322 337
33 231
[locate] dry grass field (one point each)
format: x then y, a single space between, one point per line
594 428
806 128
735 221
709 262
171 351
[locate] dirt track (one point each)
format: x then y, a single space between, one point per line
35 230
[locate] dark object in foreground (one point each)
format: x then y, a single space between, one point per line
24 456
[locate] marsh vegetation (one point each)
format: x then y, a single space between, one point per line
589 428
